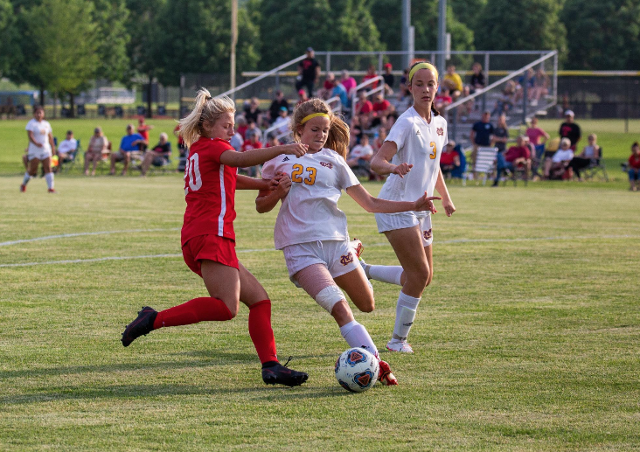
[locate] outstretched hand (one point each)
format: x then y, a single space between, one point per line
425 203
402 169
297 149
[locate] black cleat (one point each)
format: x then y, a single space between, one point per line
141 326
278 374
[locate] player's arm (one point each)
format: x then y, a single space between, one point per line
268 199
377 205
441 188
381 162
32 139
251 183
258 156
52 143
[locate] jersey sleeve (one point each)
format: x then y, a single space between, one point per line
346 178
398 133
269 169
29 127
217 148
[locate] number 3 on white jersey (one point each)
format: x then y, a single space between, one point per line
192 174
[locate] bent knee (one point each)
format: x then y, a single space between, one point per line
367 307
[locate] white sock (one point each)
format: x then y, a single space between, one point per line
49 178
386 273
26 179
405 315
356 335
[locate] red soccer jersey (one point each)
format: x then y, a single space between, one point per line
209 188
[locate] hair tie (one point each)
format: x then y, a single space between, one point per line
313 115
422 65
208 98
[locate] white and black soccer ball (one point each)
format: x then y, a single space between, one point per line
357 370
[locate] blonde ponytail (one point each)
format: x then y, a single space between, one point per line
338 137
206 109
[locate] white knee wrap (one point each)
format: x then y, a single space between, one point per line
329 296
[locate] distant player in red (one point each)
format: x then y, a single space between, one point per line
208 238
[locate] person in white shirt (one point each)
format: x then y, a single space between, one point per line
411 155
555 166
41 148
360 153
312 231
67 147
282 122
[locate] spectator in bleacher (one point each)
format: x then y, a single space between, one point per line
361 153
443 99
371 73
340 91
540 86
308 72
143 130
449 159
501 134
241 125
389 79
633 167
527 79
276 105
465 110
348 82
379 139
404 78
363 110
98 146
404 100
382 108
237 140
324 93
481 134
569 129
477 78
452 82
252 142
252 112
556 166
252 129
536 134
518 155
131 142
505 103
66 148
272 140
158 156
590 155
302 97
283 123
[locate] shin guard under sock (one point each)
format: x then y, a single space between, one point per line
261 332
193 311
357 335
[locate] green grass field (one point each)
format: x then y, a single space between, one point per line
526 340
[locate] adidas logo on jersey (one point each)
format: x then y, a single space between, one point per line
417 133
285 159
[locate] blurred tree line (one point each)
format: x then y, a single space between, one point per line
62 45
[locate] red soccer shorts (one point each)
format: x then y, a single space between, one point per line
212 248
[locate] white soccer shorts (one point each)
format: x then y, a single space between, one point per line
392 221
337 256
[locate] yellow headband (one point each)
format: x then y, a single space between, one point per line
419 66
313 115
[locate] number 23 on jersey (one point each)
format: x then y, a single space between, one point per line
296 174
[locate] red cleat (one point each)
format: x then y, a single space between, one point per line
51 190
23 188
385 376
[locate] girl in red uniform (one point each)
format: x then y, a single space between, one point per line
208 239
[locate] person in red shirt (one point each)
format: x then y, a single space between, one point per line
371 73
382 108
143 129
514 157
634 167
252 143
208 238
363 111
449 159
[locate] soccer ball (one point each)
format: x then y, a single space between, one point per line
357 370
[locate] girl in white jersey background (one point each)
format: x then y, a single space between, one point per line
312 231
411 155
41 149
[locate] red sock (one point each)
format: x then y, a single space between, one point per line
261 332
193 311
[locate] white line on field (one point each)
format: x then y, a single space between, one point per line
80 234
444 242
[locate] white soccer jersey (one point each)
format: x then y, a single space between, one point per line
421 145
41 131
310 211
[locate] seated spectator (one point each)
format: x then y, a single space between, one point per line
67 147
272 140
443 99
252 111
556 166
506 101
252 129
528 79
382 108
341 92
363 111
536 134
361 153
283 123
449 159
252 142
389 79
371 73
570 129
501 134
131 142
348 82
241 126
302 97
97 149
182 150
452 82
324 93
378 141
276 105
633 165
518 155
540 86
477 81
158 156
143 129
404 100
465 110
590 155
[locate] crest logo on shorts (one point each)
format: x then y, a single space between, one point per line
346 259
427 234
327 165
440 131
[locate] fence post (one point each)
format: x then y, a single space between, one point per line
379 62
328 61
525 95
486 71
